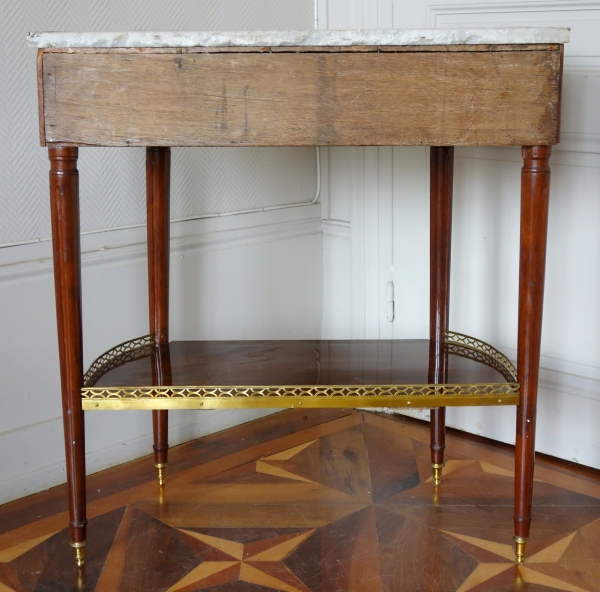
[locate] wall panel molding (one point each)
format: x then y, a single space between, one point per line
582 17
336 229
581 86
511 7
578 142
130 247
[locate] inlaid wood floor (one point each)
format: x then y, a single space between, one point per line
313 501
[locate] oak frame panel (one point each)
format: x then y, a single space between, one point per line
302 98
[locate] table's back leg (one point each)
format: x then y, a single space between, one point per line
158 179
440 188
64 206
535 188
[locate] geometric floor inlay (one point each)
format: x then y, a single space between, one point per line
258 562
350 508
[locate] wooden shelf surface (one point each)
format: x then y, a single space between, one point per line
316 373
272 363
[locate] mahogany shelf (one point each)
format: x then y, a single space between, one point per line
317 373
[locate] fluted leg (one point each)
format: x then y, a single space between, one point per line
64 206
158 173
535 187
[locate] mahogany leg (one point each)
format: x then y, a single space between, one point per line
64 205
535 187
158 176
441 179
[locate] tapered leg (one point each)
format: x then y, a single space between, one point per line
441 179
158 176
535 187
64 205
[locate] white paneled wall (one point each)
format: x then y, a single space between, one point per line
254 275
381 196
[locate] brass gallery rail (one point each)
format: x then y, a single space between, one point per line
308 395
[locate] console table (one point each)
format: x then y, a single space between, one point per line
439 88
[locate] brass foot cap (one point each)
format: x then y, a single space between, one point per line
520 546
437 472
161 470
79 549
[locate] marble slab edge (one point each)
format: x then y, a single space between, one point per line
389 37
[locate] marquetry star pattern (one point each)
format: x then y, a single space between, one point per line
534 571
354 509
229 561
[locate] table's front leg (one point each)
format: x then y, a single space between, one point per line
440 188
64 204
535 187
158 180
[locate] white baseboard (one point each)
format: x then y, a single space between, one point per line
567 404
182 428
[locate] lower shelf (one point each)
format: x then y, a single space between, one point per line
284 374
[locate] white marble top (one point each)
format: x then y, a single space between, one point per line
515 35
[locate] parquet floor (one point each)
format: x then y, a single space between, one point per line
312 501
